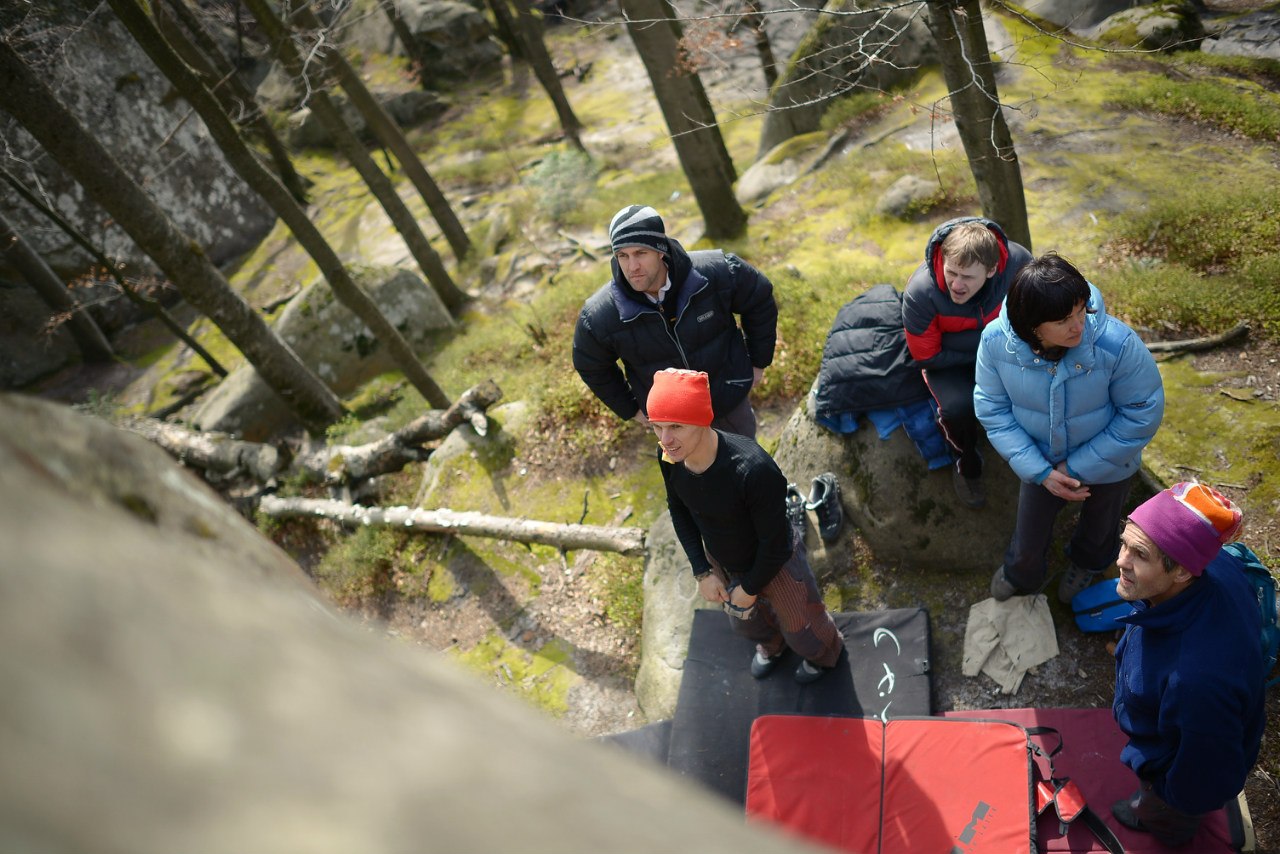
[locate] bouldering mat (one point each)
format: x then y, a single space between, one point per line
1090 756
884 674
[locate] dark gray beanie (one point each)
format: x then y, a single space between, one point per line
638 225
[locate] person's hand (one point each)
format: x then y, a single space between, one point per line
640 419
739 598
712 589
1064 485
757 374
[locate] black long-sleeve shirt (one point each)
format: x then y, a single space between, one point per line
735 511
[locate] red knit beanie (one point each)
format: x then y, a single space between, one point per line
1190 522
680 397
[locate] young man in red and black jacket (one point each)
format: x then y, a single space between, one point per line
968 267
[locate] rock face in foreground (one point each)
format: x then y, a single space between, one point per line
172 683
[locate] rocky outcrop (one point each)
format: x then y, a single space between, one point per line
1255 34
174 683
823 66
1159 26
901 511
332 342
452 39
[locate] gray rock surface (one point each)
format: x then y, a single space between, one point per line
173 683
1160 26
1078 15
764 176
907 196
821 66
453 38
1254 34
332 342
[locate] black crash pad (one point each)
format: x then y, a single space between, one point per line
885 674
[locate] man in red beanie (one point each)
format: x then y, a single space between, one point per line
1189 675
727 500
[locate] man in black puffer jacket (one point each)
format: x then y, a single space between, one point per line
950 298
667 308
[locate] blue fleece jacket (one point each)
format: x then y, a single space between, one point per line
1189 689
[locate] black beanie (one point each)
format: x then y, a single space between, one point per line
638 225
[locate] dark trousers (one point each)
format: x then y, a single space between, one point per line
1094 545
1170 826
741 419
790 612
952 388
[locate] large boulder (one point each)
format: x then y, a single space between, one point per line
1159 26
1255 34
452 39
330 340
172 682
823 64
408 109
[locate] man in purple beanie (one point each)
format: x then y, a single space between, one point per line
1189 675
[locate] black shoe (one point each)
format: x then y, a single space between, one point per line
761 664
809 672
824 499
795 508
970 489
1001 587
1125 814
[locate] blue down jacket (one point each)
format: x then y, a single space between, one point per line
1096 408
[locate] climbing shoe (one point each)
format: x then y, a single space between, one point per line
824 500
795 508
971 490
809 672
1001 587
1073 581
761 664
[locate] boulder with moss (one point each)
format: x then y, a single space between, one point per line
330 340
1159 26
823 67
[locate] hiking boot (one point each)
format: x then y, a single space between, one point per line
1073 581
809 672
972 492
824 500
761 664
795 508
1001 587
1126 814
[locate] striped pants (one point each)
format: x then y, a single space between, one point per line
790 612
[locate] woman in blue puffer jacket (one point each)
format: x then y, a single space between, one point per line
1069 396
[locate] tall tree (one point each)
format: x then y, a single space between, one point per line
88 336
975 105
379 185
687 110
269 187
33 105
754 19
131 293
208 60
386 129
527 28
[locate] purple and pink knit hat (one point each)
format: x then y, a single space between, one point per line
1190 522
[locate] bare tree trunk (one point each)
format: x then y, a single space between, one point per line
975 104
755 21
93 345
150 306
381 187
216 454
689 116
528 30
266 184
25 97
505 27
405 35
224 75
629 541
389 132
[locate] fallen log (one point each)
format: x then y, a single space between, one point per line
222 455
601 538
1208 342
219 454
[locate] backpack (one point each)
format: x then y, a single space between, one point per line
1097 606
1264 587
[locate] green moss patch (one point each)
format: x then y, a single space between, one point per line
542 677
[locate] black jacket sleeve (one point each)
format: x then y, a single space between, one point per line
753 301
597 364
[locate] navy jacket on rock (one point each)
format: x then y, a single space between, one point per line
1189 689
708 287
